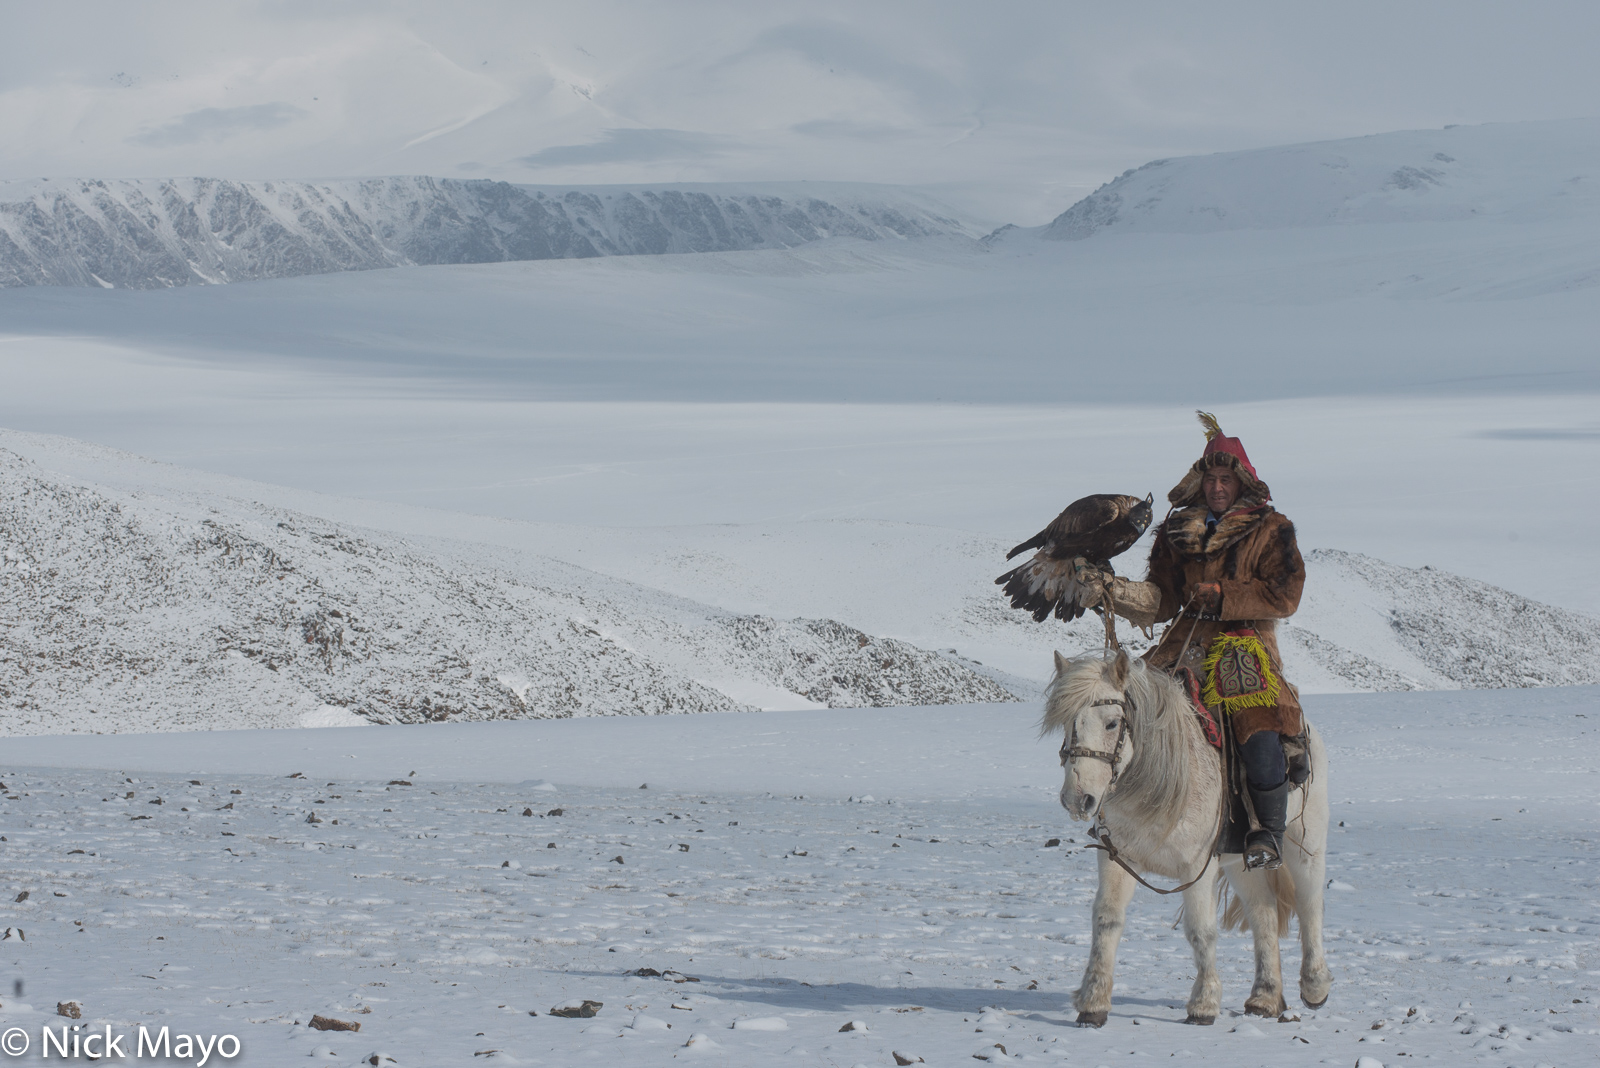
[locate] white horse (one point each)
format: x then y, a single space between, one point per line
1141 765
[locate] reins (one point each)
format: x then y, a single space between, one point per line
1102 838
1103 841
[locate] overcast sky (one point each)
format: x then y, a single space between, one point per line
1012 110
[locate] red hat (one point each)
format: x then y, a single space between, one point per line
1216 442
1220 449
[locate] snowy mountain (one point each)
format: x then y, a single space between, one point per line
136 611
157 233
1513 172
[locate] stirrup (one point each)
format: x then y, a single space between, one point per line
1261 853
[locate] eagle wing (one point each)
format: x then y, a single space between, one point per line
1083 527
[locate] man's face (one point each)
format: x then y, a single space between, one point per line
1220 488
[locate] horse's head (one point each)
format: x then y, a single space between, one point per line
1088 702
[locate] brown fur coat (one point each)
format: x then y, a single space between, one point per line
1252 555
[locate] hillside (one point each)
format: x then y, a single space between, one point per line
1364 624
130 611
1511 172
159 233
147 597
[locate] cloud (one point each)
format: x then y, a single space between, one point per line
631 146
218 124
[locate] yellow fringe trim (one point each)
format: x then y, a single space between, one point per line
1261 698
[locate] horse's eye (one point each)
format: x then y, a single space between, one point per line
1111 726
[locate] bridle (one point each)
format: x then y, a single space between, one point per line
1070 750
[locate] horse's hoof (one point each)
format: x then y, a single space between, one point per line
1262 1009
1200 1021
1314 1004
1092 1019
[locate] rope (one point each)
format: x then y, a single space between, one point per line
1108 610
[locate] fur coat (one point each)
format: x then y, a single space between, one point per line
1253 557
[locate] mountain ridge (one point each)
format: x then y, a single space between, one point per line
160 233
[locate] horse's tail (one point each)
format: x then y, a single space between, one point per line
1282 884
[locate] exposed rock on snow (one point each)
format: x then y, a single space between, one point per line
1422 629
156 233
129 611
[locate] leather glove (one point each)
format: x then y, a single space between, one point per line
1208 598
1091 581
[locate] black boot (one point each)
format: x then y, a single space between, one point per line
1264 848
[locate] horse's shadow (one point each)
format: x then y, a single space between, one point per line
1043 1006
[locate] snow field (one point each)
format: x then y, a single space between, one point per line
922 902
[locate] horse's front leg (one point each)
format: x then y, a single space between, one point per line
1200 928
1093 997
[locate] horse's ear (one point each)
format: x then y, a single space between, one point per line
1120 667
1062 663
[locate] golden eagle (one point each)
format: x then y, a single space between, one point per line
1094 528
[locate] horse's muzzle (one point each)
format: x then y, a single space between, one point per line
1079 806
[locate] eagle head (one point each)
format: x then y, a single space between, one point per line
1141 513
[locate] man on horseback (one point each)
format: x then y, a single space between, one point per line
1223 570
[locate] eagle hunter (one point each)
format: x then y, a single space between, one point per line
1094 528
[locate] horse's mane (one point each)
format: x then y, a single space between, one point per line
1156 781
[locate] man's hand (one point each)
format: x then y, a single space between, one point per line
1208 598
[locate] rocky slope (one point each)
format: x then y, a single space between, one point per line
156 233
136 611
1377 626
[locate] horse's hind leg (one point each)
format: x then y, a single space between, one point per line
1093 997
1257 892
1200 928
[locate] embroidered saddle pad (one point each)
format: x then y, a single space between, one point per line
1239 673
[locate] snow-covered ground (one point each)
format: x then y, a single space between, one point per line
627 484
809 869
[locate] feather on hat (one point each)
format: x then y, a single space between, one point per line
1220 449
